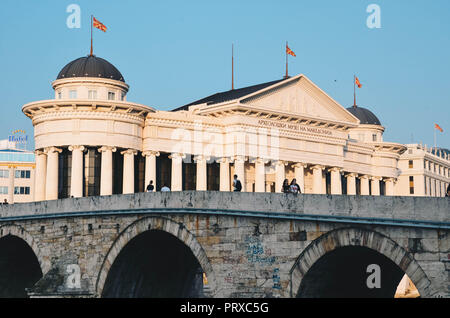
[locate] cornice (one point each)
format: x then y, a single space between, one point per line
87 115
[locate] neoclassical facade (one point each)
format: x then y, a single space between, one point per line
90 140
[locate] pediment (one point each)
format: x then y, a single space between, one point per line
300 97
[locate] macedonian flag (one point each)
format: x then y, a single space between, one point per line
289 51
99 25
438 128
357 82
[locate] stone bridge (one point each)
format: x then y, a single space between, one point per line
221 244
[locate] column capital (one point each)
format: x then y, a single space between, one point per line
374 178
351 174
150 153
240 158
52 149
259 160
223 160
107 148
279 163
201 158
389 179
317 167
335 169
76 147
299 165
364 176
177 155
129 152
38 152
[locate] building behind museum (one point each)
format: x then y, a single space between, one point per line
90 140
17 168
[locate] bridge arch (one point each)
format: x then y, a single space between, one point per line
149 224
20 252
360 239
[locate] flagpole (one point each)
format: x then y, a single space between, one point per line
354 90
435 149
232 66
286 60
91 37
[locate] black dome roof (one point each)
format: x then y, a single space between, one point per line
90 66
364 115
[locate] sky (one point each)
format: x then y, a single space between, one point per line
174 52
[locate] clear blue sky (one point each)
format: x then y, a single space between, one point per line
174 52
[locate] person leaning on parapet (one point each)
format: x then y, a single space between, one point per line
150 186
237 185
5 202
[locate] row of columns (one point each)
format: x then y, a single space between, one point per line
47 173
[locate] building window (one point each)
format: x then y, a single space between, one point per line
361 137
425 164
374 137
122 96
410 164
411 185
4 174
92 94
72 94
59 95
22 174
22 190
426 185
111 96
3 190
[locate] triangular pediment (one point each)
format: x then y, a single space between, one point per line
299 96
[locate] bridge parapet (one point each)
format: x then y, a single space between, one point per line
367 207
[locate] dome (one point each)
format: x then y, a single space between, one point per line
90 66
365 116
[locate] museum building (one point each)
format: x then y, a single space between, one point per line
90 140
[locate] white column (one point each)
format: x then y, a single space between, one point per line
177 172
375 185
224 174
351 183
201 183
76 178
280 175
40 176
239 170
299 172
150 167
317 179
51 186
106 170
389 186
11 171
260 175
336 186
128 170
365 185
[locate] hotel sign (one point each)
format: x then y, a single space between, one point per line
295 127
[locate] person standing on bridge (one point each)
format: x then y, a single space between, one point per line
5 202
447 194
165 189
286 187
294 187
237 184
150 186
